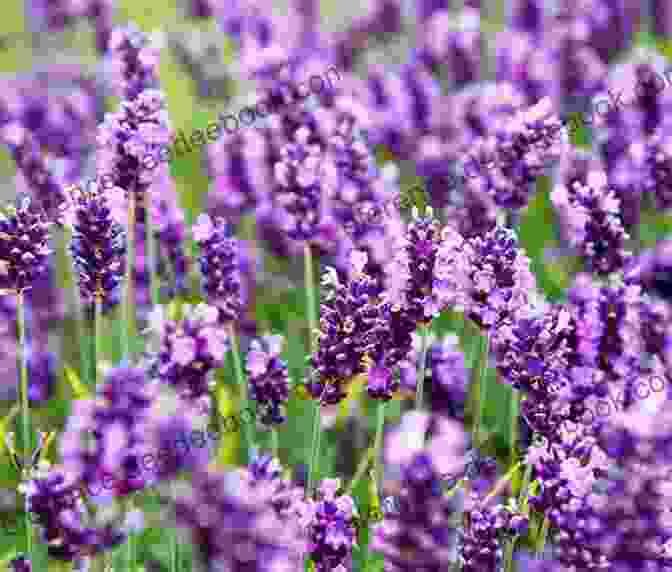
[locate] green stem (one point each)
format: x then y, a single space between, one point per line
25 410
129 302
311 310
481 391
422 366
361 470
543 533
311 298
97 338
174 545
508 555
130 556
314 453
274 442
154 287
242 385
377 445
513 428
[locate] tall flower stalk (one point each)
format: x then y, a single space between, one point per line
311 310
24 237
25 407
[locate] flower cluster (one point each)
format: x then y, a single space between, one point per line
190 350
24 245
220 266
98 247
268 378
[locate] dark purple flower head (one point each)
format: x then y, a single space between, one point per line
349 315
61 515
42 376
268 378
24 248
234 525
220 266
21 564
299 178
501 283
190 350
592 222
98 246
481 541
331 528
134 61
658 161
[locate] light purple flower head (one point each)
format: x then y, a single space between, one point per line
592 222
134 61
234 525
190 350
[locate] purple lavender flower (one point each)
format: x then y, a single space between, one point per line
134 62
21 564
412 272
60 511
115 423
500 281
220 266
24 248
234 526
331 528
419 534
170 231
98 247
381 383
286 499
268 378
125 140
451 44
348 316
298 190
515 153
652 269
190 350
480 543
30 162
450 378
42 376
592 222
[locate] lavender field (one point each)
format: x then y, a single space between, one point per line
305 286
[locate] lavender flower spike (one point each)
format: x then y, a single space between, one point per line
220 266
593 222
134 61
268 378
98 247
24 236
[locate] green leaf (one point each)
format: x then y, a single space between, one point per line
79 390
